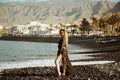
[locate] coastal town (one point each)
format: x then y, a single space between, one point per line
106 25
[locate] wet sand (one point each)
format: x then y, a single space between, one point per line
109 71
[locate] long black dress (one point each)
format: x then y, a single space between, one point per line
65 59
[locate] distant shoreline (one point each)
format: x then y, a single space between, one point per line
55 39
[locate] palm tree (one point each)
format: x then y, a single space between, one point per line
95 24
85 27
50 29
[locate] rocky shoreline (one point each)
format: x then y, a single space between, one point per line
109 71
89 72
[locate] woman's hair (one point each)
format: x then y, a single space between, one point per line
66 35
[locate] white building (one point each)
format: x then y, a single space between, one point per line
1 27
38 28
33 28
16 29
53 32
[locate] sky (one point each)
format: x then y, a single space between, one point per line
4 1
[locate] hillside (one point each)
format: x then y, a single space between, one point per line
116 8
53 11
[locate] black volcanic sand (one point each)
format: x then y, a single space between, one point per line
110 71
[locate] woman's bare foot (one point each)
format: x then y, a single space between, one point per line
63 74
59 74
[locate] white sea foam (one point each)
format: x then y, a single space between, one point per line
30 63
79 56
42 63
91 62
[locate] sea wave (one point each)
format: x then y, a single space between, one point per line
43 63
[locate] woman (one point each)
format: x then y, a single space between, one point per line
63 55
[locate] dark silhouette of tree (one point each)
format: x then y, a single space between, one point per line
85 26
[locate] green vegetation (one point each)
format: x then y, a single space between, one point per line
109 24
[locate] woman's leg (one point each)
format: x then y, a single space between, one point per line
57 60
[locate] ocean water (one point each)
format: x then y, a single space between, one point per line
22 51
17 54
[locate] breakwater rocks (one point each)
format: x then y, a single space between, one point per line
30 38
72 39
51 39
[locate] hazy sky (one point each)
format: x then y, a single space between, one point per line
20 0
38 0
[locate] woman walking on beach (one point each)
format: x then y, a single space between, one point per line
63 55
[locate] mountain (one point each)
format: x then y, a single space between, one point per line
116 8
70 2
102 7
52 11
